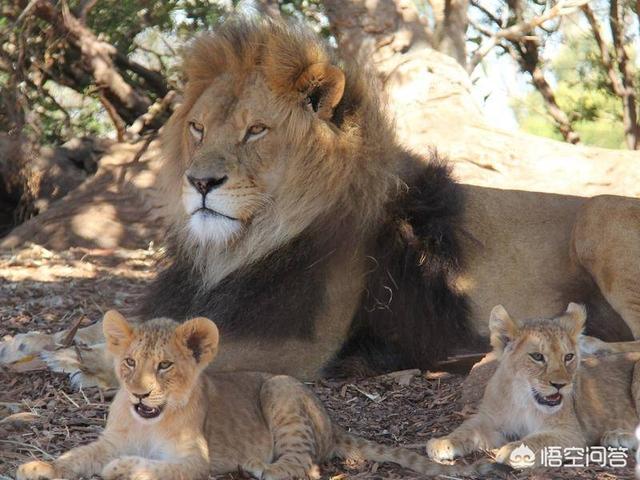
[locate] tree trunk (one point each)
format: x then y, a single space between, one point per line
525 52
451 27
629 117
558 115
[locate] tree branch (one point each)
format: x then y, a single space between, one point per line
516 32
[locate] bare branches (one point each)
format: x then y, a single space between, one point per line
516 32
522 43
155 111
622 87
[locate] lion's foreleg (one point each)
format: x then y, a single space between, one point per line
132 467
476 433
82 461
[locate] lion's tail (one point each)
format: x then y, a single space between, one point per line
349 446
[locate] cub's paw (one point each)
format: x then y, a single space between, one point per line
440 449
620 438
254 468
488 469
288 470
36 470
128 468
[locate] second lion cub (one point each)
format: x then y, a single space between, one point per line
543 395
168 421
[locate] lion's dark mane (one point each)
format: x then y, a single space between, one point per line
409 312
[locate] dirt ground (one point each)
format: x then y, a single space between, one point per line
41 416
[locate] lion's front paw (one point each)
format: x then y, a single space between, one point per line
128 468
620 438
36 470
440 449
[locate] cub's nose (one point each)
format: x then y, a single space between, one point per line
558 385
140 396
205 185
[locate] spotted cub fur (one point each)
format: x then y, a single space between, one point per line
543 395
168 421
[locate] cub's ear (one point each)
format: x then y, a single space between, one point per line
323 86
117 331
574 318
200 336
503 329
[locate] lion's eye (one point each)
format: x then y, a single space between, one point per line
165 365
197 131
130 362
568 357
255 132
537 357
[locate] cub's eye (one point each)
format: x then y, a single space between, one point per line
165 365
197 131
130 362
255 132
568 357
537 357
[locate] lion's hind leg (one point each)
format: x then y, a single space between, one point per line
300 428
606 243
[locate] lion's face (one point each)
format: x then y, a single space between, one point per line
256 147
541 355
235 158
159 362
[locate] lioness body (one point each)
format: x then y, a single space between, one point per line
168 421
317 241
543 395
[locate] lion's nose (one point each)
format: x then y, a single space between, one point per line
140 396
205 185
557 385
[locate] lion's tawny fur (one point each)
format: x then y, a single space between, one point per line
600 403
270 426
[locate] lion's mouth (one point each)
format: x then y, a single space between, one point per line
550 400
145 411
212 213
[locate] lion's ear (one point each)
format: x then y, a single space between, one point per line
117 332
574 319
323 86
199 335
503 329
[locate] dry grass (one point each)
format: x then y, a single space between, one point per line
50 291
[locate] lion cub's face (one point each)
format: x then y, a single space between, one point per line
542 355
159 361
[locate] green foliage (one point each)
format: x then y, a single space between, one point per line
582 91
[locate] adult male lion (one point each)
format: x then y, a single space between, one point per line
315 240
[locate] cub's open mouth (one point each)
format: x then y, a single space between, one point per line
146 411
548 401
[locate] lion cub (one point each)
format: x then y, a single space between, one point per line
168 421
543 395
